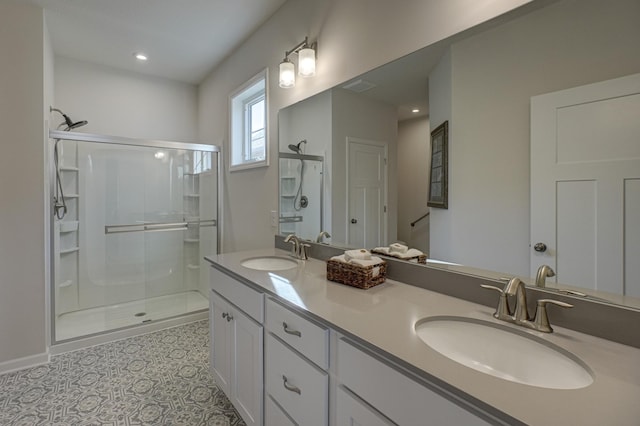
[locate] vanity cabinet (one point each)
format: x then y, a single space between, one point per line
296 360
370 381
236 316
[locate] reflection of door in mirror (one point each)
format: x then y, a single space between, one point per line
585 191
366 192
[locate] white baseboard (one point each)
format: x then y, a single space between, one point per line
24 362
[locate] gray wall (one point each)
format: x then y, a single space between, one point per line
22 180
414 153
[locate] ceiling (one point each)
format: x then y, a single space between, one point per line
184 39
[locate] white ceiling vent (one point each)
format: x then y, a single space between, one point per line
359 86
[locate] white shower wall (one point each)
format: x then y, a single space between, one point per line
128 186
123 185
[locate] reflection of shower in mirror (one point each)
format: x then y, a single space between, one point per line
301 186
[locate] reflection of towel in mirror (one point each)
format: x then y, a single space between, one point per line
410 253
360 254
398 248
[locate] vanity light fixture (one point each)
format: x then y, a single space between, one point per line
306 63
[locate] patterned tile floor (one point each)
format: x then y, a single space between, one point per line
160 378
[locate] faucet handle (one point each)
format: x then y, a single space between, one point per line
304 253
541 322
502 311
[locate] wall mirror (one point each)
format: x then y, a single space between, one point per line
375 148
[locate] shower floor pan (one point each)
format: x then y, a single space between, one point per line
97 320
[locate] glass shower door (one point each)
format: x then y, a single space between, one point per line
146 218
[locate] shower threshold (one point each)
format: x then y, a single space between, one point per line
96 320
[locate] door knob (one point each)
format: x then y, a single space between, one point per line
354 220
540 247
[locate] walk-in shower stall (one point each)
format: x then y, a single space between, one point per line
131 222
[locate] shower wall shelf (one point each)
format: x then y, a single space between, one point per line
70 250
65 284
69 196
69 169
68 226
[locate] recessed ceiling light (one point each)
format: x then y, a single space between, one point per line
415 110
140 56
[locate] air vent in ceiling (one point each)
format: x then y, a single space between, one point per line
359 85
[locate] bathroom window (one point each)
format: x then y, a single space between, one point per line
248 111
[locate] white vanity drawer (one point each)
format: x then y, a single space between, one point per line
305 336
298 386
240 294
401 399
273 415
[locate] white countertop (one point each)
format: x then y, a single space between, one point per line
385 316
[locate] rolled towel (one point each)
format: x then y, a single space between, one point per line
339 258
360 254
398 248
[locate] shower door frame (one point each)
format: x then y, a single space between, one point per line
59 135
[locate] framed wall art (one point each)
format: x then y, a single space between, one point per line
438 186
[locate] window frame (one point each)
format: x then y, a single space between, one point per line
240 102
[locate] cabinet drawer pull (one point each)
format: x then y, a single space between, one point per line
289 387
224 315
288 331
229 317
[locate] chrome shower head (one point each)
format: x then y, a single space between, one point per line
296 147
68 121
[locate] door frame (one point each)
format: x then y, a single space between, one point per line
385 185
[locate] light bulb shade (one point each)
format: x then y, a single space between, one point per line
287 74
307 62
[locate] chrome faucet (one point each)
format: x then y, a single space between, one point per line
298 249
322 235
520 315
543 272
515 287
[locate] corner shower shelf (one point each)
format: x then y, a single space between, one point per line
192 195
190 266
71 196
68 226
69 169
192 240
70 250
64 284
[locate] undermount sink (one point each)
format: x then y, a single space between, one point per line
504 352
269 263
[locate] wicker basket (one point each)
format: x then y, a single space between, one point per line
355 275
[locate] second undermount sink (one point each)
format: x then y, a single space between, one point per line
503 352
269 263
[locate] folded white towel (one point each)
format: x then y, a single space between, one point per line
384 250
375 260
360 254
398 248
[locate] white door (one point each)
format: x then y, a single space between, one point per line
585 185
366 193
